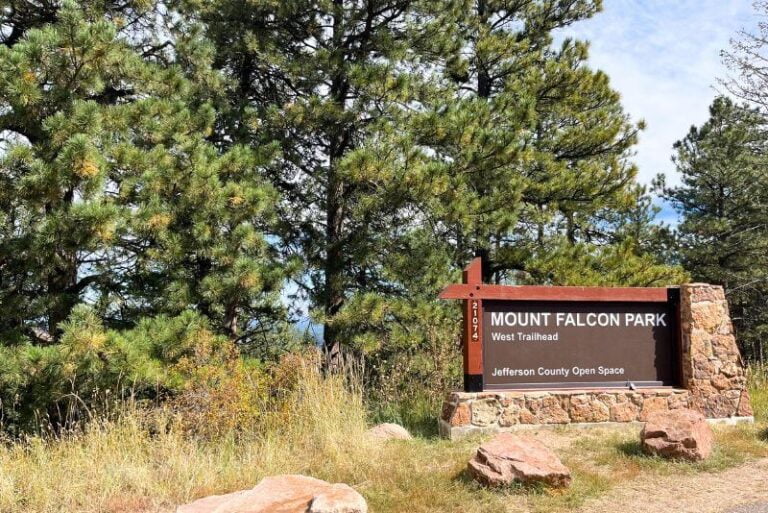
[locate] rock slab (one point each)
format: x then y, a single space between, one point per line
680 434
389 431
284 494
510 458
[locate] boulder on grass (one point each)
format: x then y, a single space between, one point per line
677 434
284 494
511 458
389 431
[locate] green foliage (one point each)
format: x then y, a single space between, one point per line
416 135
758 390
348 169
171 162
112 192
722 201
533 145
93 370
583 264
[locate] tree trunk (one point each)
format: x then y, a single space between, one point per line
482 241
60 286
230 320
334 272
334 206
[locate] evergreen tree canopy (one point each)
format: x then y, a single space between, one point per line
111 193
333 81
415 135
535 145
723 203
169 156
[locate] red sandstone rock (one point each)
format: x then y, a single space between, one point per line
678 434
652 405
546 410
589 408
284 494
678 401
510 458
513 409
456 414
624 412
389 431
706 292
745 407
712 368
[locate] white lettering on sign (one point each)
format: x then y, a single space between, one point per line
589 320
561 372
647 319
520 319
475 321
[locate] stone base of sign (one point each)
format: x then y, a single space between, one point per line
492 412
711 376
465 413
731 421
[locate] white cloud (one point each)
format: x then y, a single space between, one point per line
663 56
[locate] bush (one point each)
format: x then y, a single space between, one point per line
93 371
312 425
221 396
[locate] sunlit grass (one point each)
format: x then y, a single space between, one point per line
758 389
139 464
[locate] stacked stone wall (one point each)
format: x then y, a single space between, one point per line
711 364
464 413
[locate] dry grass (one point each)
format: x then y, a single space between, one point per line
758 389
134 465
124 467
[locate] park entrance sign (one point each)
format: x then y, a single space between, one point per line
561 343
591 355
567 337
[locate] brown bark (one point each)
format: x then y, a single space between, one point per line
334 207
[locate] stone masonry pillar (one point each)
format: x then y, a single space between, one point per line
712 369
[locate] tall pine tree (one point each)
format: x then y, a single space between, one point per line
420 134
331 80
112 194
536 146
723 203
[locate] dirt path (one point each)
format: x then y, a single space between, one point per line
701 493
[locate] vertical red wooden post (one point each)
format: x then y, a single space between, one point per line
473 331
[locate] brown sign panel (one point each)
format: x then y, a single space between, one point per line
540 344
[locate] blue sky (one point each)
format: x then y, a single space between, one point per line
663 56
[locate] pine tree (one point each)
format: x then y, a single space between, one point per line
536 146
112 194
331 80
722 200
430 132
58 221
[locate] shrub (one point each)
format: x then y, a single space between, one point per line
93 371
221 396
315 425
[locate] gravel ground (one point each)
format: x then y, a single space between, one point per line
759 507
741 489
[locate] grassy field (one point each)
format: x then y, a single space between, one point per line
124 467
